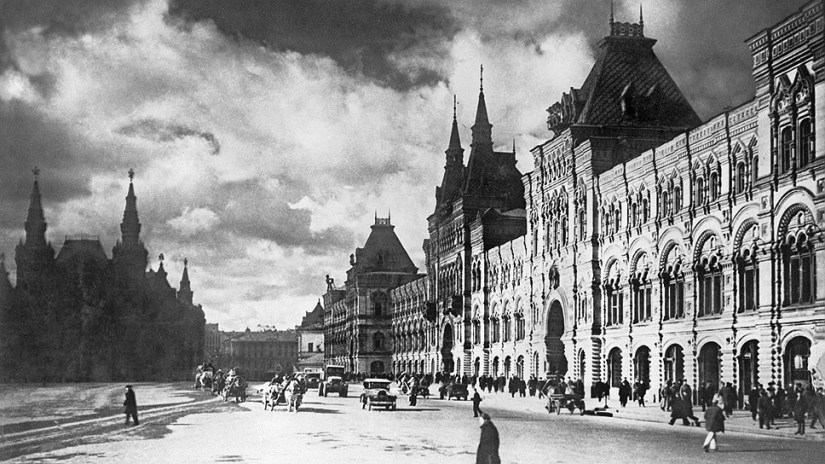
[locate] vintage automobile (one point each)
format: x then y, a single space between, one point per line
377 394
453 390
332 385
312 379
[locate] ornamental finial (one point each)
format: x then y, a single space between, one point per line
131 174
36 172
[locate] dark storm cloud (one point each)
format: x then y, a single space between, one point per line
361 35
62 17
256 212
29 139
160 131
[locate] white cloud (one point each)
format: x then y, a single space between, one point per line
192 221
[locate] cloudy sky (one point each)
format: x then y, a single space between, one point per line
265 134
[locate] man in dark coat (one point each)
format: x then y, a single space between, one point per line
799 410
476 402
753 401
130 405
488 443
624 392
764 407
714 423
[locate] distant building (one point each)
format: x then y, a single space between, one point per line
311 339
357 317
260 355
81 316
212 344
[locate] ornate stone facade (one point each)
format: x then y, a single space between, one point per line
650 246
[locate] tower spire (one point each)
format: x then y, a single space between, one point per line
481 78
185 292
482 129
612 17
130 227
35 220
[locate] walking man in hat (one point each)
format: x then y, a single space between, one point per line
130 405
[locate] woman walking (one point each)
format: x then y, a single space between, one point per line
714 423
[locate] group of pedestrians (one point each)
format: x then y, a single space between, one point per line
637 391
801 403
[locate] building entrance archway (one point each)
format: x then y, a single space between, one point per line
641 365
795 360
614 368
674 363
377 367
709 362
748 366
447 363
556 361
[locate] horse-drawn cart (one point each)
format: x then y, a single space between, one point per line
557 401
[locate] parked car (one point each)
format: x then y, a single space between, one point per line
377 394
453 390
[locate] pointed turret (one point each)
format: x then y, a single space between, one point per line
130 227
482 129
185 292
453 169
35 221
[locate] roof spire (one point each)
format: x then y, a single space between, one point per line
641 15
35 220
130 227
185 292
481 79
455 103
612 18
482 129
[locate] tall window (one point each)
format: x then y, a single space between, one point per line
495 330
378 341
608 222
677 199
748 281
614 303
508 328
665 205
806 140
634 214
714 186
709 282
673 284
799 264
700 191
740 178
645 210
786 143
754 170
520 327
618 218
582 224
641 297
476 331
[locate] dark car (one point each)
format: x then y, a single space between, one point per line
453 390
313 379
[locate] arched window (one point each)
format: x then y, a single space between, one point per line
806 140
520 327
379 302
786 143
665 204
700 191
748 272
476 331
508 328
563 230
754 170
799 264
709 283
582 224
645 210
378 341
673 288
634 214
617 218
677 199
740 178
615 299
642 290
495 329
608 221
714 186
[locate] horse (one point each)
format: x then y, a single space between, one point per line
272 394
235 387
198 373
204 380
293 395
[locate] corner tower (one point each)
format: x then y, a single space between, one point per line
129 255
34 256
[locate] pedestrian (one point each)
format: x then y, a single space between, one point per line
642 391
624 392
728 398
130 406
800 407
714 423
753 401
413 397
815 406
488 443
476 402
764 407
702 392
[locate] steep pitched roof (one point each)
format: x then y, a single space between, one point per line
627 86
383 251
81 249
313 319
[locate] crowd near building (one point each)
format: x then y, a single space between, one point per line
644 244
82 316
